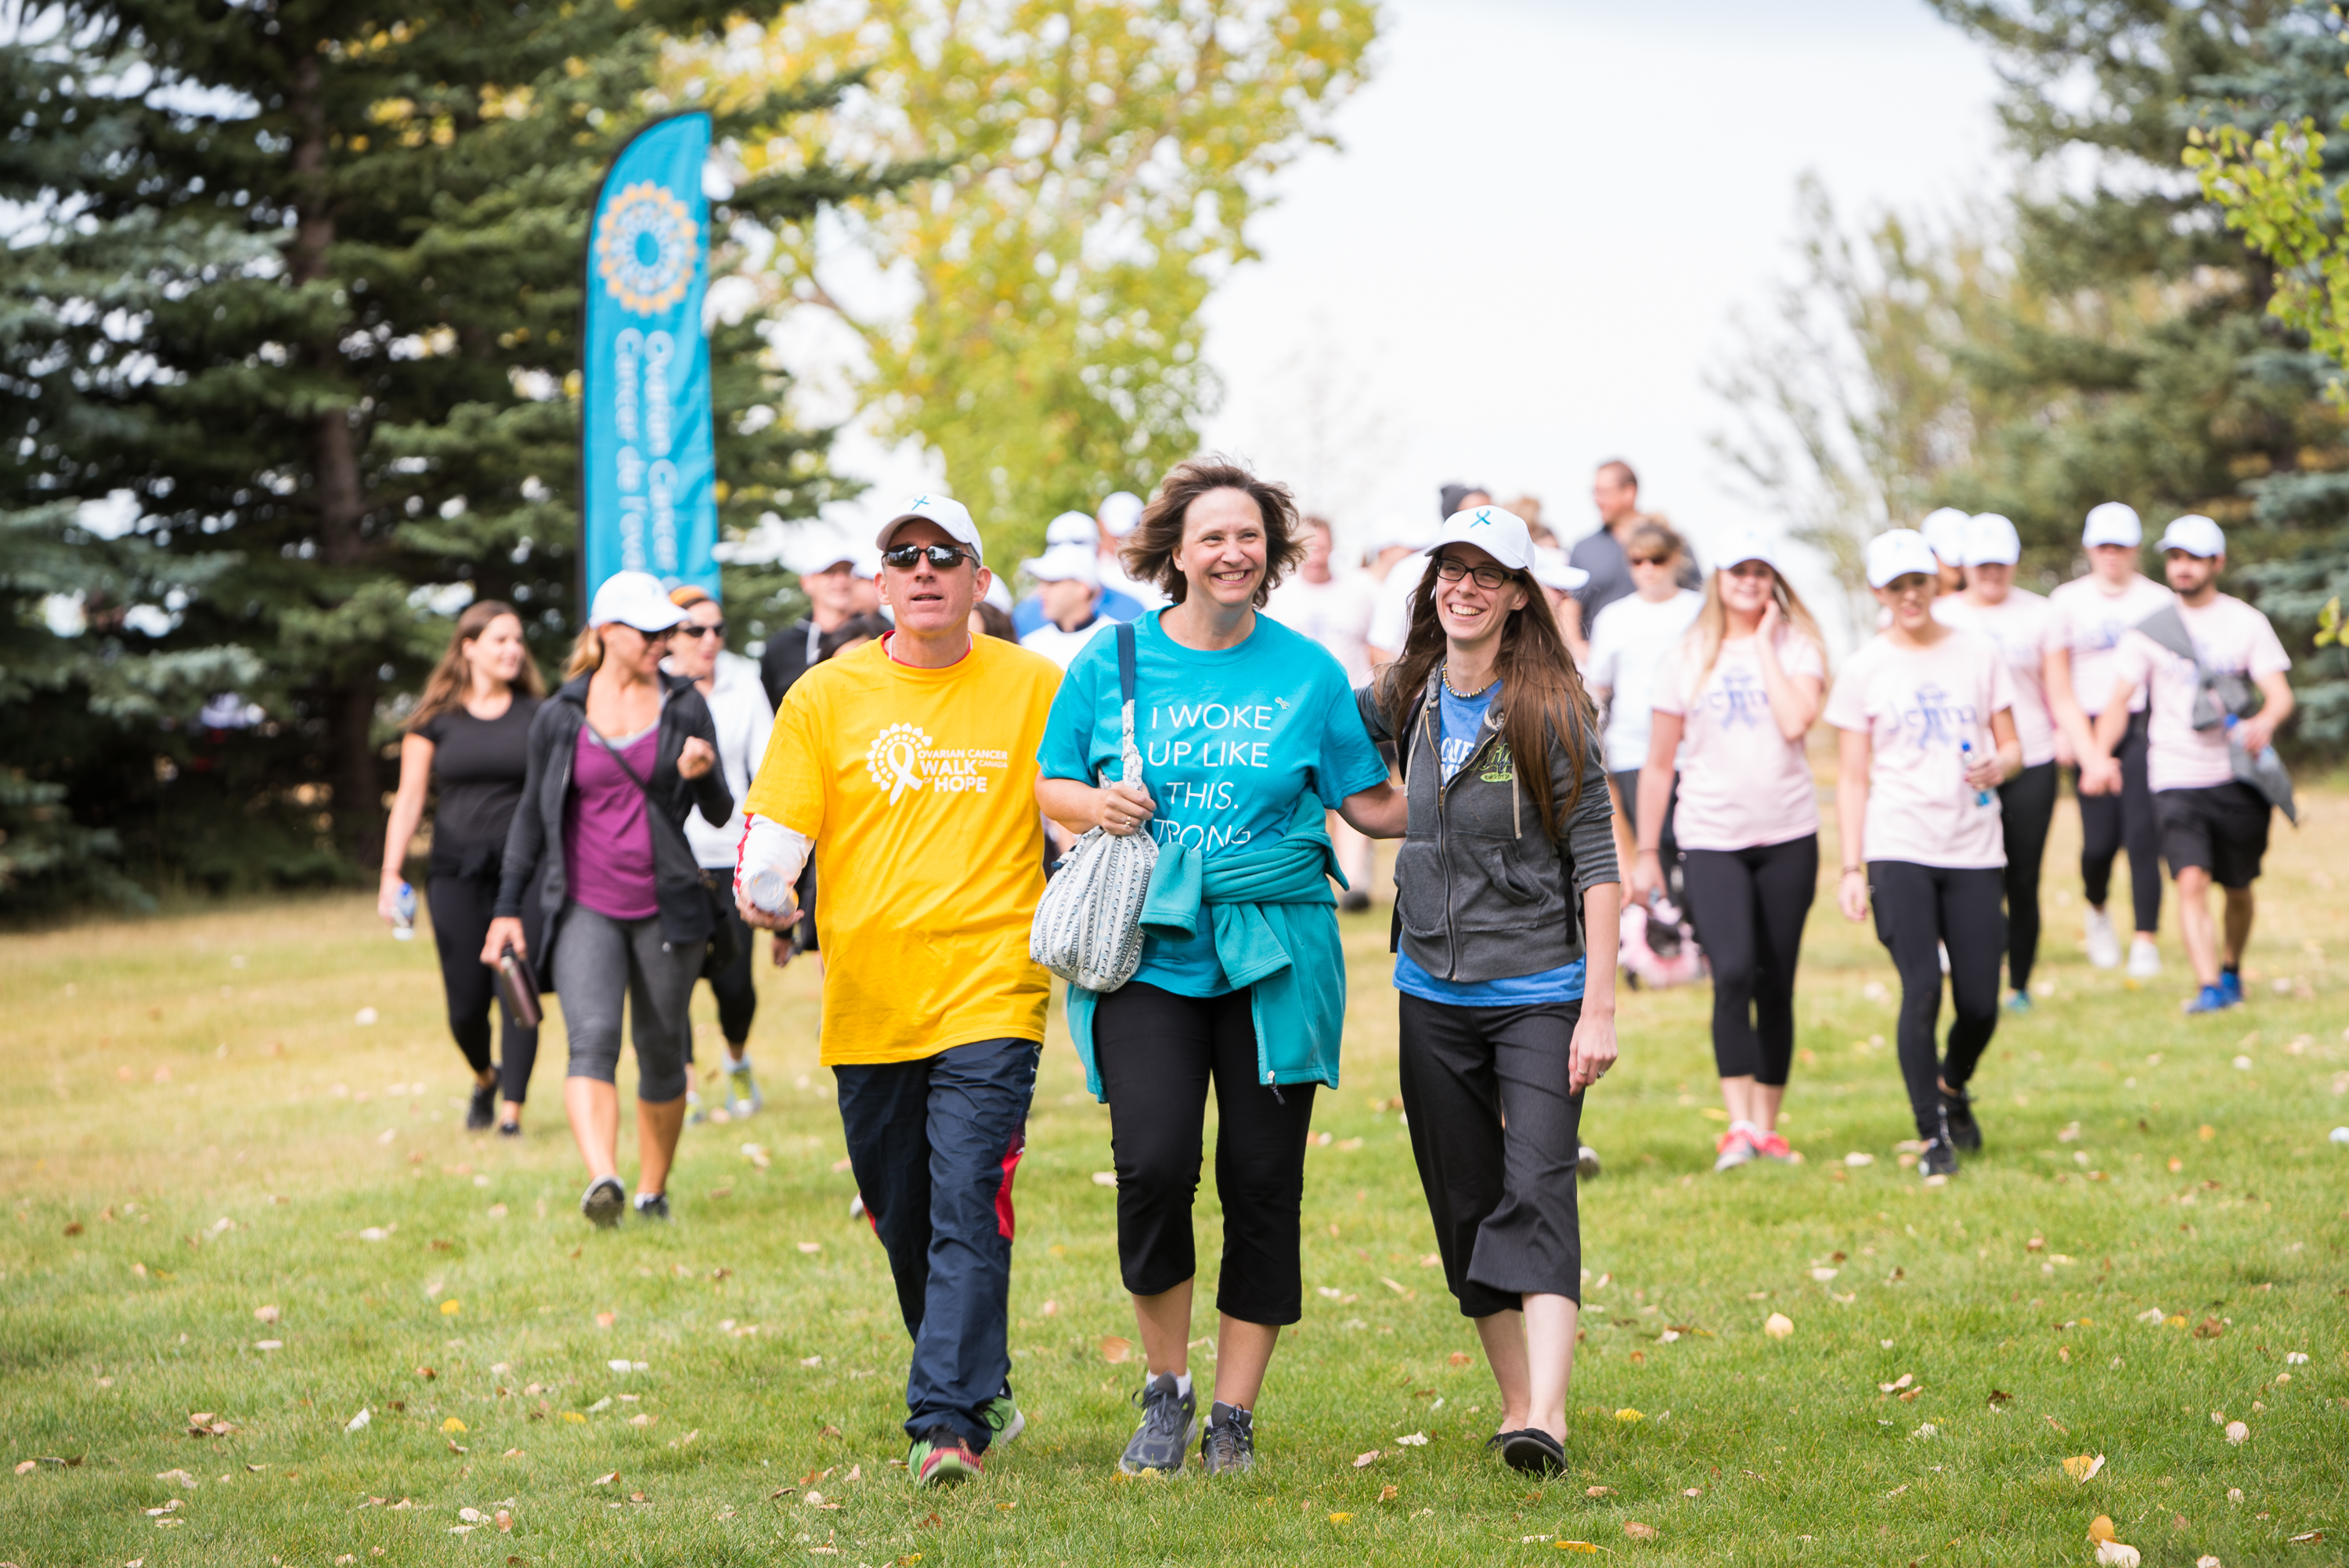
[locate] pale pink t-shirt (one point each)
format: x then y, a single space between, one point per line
1917 705
2230 638
1742 784
2091 624
2023 626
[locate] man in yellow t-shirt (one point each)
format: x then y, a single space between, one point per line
908 769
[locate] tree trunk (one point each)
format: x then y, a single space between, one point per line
334 476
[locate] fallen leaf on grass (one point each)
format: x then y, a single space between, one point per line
1115 1349
176 1476
2059 1426
1629 1416
1360 1460
172 1507
265 1314
359 1422
2083 1468
1777 1326
607 1480
1575 1546
2114 1554
2208 1560
452 1425
2101 1527
1415 1440
2237 1432
2209 1328
1638 1532
1389 1493
1457 1359
1903 1381
1340 1518
641 1419
1598 1491
2308 1538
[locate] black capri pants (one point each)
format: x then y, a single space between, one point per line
2108 823
1749 906
2026 804
737 992
1494 1132
1918 909
1158 1053
461 908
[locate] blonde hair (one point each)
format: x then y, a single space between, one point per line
586 654
445 686
1711 628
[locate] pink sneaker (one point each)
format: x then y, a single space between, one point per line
1772 1146
1733 1149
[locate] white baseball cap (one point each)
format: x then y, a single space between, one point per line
1501 535
1120 511
943 510
2195 534
1551 570
633 599
1897 552
2113 522
1065 564
997 594
1393 532
1944 529
824 554
1743 544
867 564
1071 528
1990 540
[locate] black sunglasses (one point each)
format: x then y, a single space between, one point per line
689 629
906 557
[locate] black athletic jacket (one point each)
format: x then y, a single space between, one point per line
537 829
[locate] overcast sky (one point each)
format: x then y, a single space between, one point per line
1526 257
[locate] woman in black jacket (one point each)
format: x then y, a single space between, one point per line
617 757
1506 872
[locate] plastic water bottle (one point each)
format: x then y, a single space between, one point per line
767 889
403 914
1966 754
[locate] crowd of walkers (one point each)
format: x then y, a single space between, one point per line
904 765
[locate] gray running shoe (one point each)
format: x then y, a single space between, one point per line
1587 1165
1229 1447
604 1202
652 1205
1170 1421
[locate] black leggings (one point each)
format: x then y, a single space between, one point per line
2027 804
460 910
1156 1052
1748 906
738 997
2110 821
1918 909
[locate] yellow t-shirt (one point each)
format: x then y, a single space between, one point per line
918 787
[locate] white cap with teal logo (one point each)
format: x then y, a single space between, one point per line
1503 535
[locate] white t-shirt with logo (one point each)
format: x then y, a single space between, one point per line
1627 641
2091 624
1918 707
2230 638
1062 647
1743 783
2023 626
1336 614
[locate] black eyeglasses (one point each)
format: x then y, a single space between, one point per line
1488 576
691 629
906 557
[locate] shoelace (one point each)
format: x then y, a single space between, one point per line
1230 1440
1161 1414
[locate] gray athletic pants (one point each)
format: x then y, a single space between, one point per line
600 962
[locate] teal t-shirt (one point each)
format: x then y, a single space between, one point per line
1229 740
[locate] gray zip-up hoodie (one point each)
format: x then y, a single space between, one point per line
1482 892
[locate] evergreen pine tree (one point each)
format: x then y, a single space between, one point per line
287 359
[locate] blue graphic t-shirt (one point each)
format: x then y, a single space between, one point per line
1461 722
1229 740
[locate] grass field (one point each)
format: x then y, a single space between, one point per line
200 1127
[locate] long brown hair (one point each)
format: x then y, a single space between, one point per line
1542 694
450 679
1149 553
1711 628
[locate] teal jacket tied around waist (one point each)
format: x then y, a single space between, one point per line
1275 930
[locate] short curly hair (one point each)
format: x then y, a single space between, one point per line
1150 551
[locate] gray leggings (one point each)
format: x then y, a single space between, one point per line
599 963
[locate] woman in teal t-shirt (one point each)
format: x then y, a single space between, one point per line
1248 732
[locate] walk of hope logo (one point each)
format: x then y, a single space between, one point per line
903 756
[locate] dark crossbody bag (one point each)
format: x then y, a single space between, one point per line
721 900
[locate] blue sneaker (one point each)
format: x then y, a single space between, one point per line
2230 984
2019 1004
2211 999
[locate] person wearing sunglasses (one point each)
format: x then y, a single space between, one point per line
1927 717
1507 896
738 703
1734 697
905 770
1248 735
618 758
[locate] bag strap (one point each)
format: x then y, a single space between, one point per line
1132 754
615 753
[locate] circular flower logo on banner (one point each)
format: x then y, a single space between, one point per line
645 248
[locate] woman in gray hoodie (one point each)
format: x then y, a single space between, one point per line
1505 875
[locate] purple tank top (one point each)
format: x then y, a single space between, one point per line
607 839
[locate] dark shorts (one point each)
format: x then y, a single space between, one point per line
2222 830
